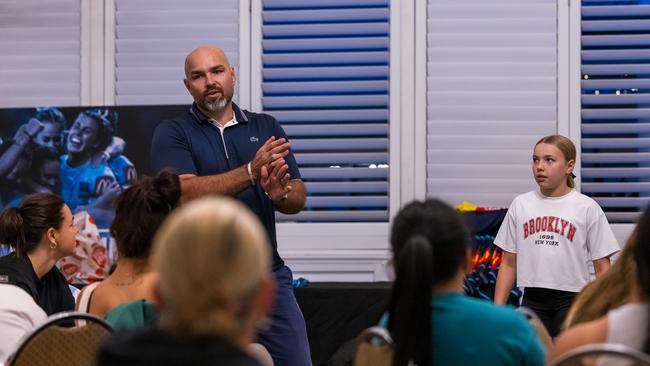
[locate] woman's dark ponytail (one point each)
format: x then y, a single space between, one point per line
415 276
429 241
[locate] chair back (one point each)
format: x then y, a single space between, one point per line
68 338
374 348
535 322
603 354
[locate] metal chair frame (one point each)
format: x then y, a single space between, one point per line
603 349
80 319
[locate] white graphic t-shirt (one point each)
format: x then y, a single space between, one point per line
555 238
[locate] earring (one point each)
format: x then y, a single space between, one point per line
53 244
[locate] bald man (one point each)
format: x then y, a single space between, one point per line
218 148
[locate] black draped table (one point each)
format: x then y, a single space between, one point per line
336 312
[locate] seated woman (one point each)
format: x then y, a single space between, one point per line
429 318
215 287
42 231
606 292
628 324
19 315
139 211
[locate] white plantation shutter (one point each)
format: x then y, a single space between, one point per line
615 106
40 53
325 78
491 94
152 38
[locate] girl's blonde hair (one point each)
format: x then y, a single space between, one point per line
211 256
567 148
608 291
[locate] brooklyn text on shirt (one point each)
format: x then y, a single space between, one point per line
549 224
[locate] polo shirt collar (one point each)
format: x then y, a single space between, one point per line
200 117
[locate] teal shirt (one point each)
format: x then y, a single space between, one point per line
136 314
469 331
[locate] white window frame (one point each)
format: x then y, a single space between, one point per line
93 59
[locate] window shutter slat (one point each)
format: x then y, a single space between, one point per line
335 216
615 10
337 130
630 187
615 157
343 173
343 73
615 172
347 187
326 116
325 15
340 158
609 128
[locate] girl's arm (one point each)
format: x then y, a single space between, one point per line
601 266
505 278
579 335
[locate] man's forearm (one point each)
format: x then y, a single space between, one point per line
295 201
225 184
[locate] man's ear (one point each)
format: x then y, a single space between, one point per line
187 84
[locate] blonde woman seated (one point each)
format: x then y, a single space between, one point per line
214 288
606 292
139 212
629 323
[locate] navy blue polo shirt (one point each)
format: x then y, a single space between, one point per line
190 144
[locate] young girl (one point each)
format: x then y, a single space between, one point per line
549 235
